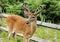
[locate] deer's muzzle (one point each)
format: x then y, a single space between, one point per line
28 22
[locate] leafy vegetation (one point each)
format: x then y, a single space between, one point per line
51 12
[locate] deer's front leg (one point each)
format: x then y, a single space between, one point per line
9 33
28 39
25 39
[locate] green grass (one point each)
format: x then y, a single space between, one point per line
3 36
47 33
41 32
4 22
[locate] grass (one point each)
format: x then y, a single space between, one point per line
3 36
47 33
4 22
41 32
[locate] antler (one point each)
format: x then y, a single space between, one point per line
42 7
25 6
26 10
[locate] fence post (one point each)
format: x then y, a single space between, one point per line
0 16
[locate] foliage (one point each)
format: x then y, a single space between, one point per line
16 8
49 14
11 6
34 4
52 10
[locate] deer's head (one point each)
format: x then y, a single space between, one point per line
32 17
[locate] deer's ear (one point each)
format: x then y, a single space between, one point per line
25 12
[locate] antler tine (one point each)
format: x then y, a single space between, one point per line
42 7
25 6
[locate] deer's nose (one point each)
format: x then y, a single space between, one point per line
27 22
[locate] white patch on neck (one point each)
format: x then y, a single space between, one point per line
33 23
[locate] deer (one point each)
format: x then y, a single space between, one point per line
21 25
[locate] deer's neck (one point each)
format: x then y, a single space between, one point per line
33 27
33 24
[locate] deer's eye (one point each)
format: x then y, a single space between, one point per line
33 17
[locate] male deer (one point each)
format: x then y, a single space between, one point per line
18 24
